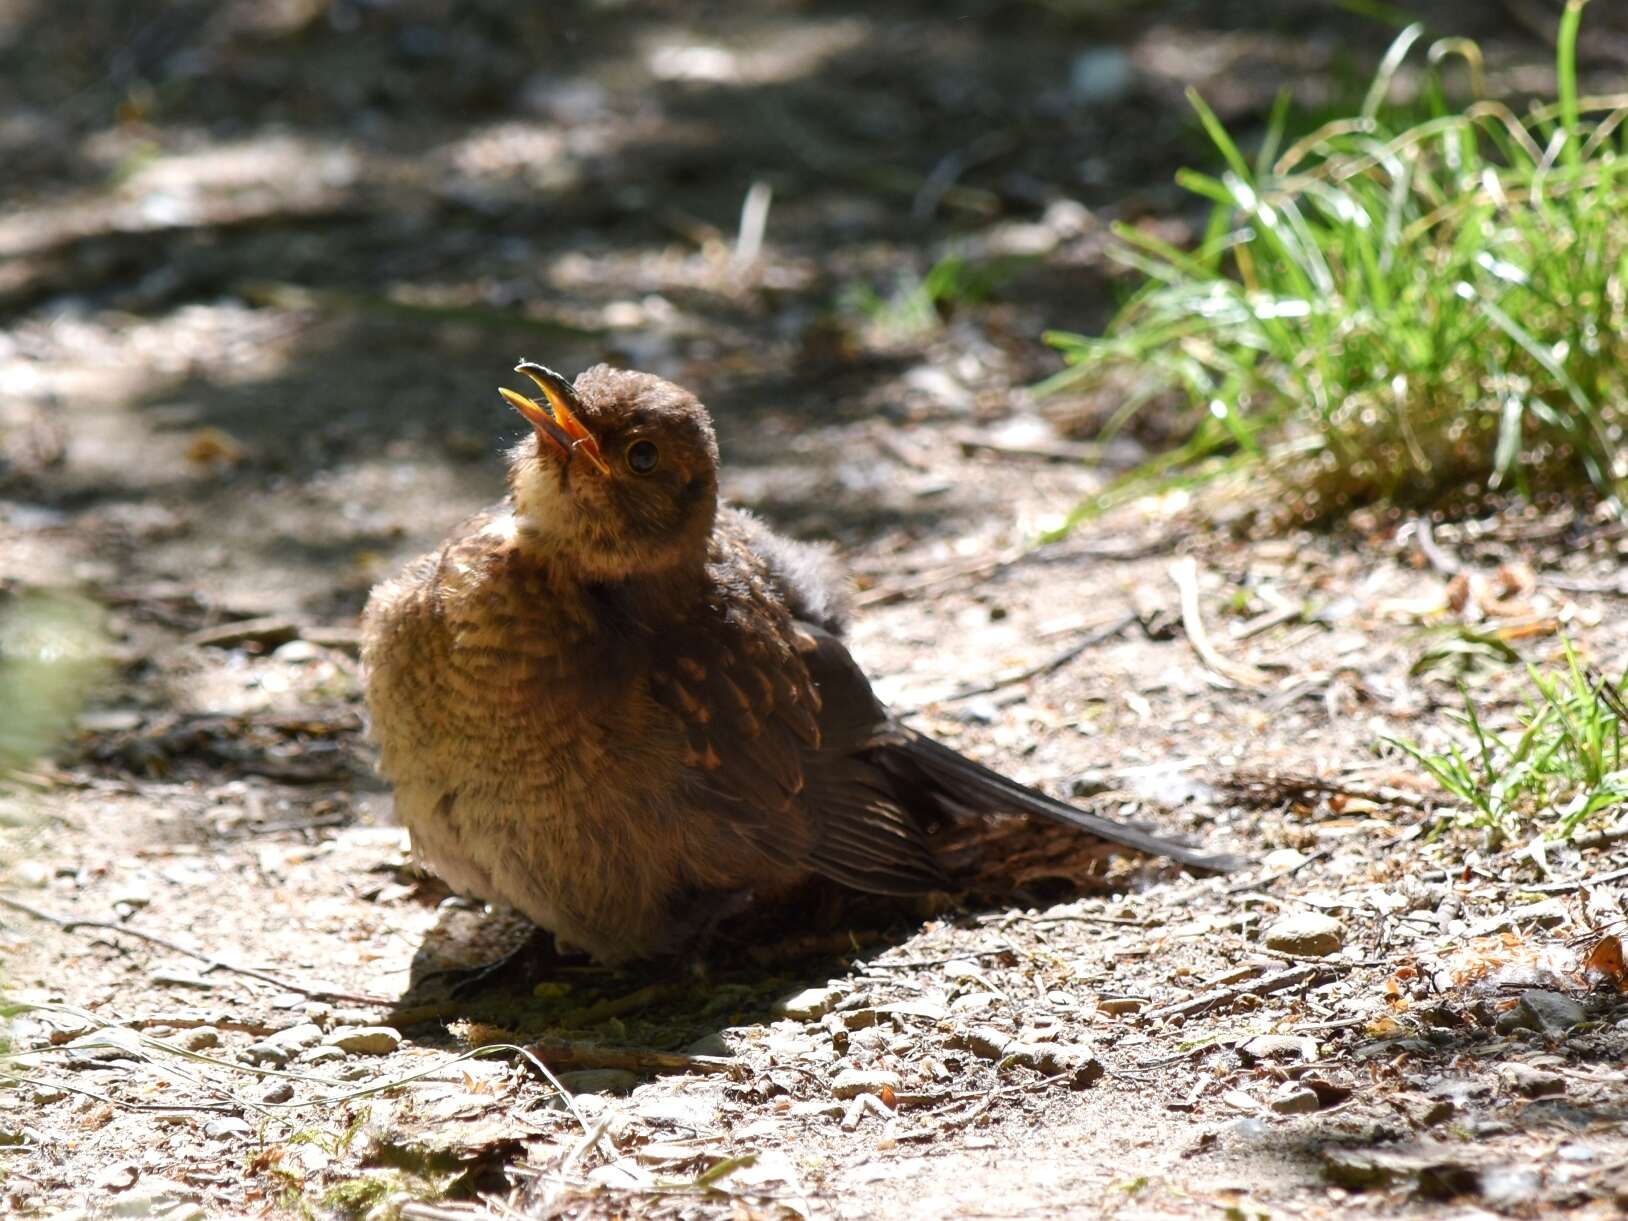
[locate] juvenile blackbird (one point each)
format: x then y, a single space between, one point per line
625 709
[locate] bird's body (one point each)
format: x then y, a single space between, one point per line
624 709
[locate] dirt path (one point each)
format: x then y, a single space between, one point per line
248 368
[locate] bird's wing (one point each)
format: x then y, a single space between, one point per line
774 712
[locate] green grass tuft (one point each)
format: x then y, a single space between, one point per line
1394 308
1562 763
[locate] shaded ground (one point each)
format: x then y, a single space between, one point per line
263 265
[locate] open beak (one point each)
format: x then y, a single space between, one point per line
563 427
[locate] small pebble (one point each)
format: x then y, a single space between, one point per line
851 1082
29 875
297 651
1540 1010
1536 1082
277 1091
599 1081
1278 1047
1116 1005
227 1125
297 1038
201 1038
265 1053
366 1040
321 1055
809 1004
1293 1099
713 1044
1308 933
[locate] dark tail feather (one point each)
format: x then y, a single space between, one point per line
978 789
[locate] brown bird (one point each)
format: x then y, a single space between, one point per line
625 709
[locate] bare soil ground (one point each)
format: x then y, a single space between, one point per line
262 266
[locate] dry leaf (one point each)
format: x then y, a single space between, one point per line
215 445
1603 964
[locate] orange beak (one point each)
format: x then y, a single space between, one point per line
564 428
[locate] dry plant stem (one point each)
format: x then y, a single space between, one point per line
1184 572
1255 987
1446 565
213 963
1058 661
567 1055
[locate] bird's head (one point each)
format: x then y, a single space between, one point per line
619 477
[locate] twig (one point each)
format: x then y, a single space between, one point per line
226 1108
1055 662
1602 839
1446 565
983 567
1256 883
1270 788
1044 451
1560 888
1184 572
1583 585
213 963
1255 987
567 1055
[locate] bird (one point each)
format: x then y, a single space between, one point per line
624 707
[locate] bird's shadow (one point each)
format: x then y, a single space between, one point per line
823 934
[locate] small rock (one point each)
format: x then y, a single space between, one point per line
1118 1005
201 1038
109 720
1428 1112
809 1004
1547 1012
365 1040
321 1055
29 875
1282 860
1278 1047
1511 1189
713 1044
277 1091
119 1178
1354 1169
296 651
1291 1098
1078 1066
132 897
599 1081
227 1126
297 1038
851 1082
1308 933
1101 76
265 1053
937 385
1535 1082
48 1093
986 1042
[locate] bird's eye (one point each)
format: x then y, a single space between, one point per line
642 457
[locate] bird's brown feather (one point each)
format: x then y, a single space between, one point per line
619 706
